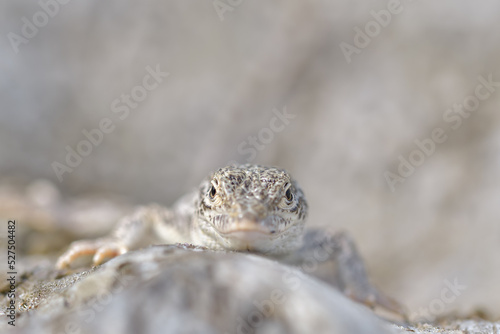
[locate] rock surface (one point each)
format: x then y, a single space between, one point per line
183 289
456 327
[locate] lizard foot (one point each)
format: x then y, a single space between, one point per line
101 249
355 282
372 298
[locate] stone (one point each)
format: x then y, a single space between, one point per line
186 289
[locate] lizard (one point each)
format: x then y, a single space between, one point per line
242 208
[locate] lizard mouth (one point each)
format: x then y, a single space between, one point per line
247 227
250 233
245 235
269 226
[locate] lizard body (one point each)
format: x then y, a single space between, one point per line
244 208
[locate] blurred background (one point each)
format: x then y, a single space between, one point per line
336 92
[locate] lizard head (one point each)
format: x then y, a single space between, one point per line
251 208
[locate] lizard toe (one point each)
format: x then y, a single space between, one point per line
76 250
108 251
373 299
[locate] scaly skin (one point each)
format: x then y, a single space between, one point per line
245 208
250 208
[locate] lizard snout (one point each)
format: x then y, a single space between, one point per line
251 223
247 222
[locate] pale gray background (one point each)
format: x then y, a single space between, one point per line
352 120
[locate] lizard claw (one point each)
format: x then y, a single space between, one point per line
101 249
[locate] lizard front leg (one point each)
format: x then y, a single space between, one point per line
333 257
131 232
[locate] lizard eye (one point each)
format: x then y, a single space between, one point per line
287 201
212 191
